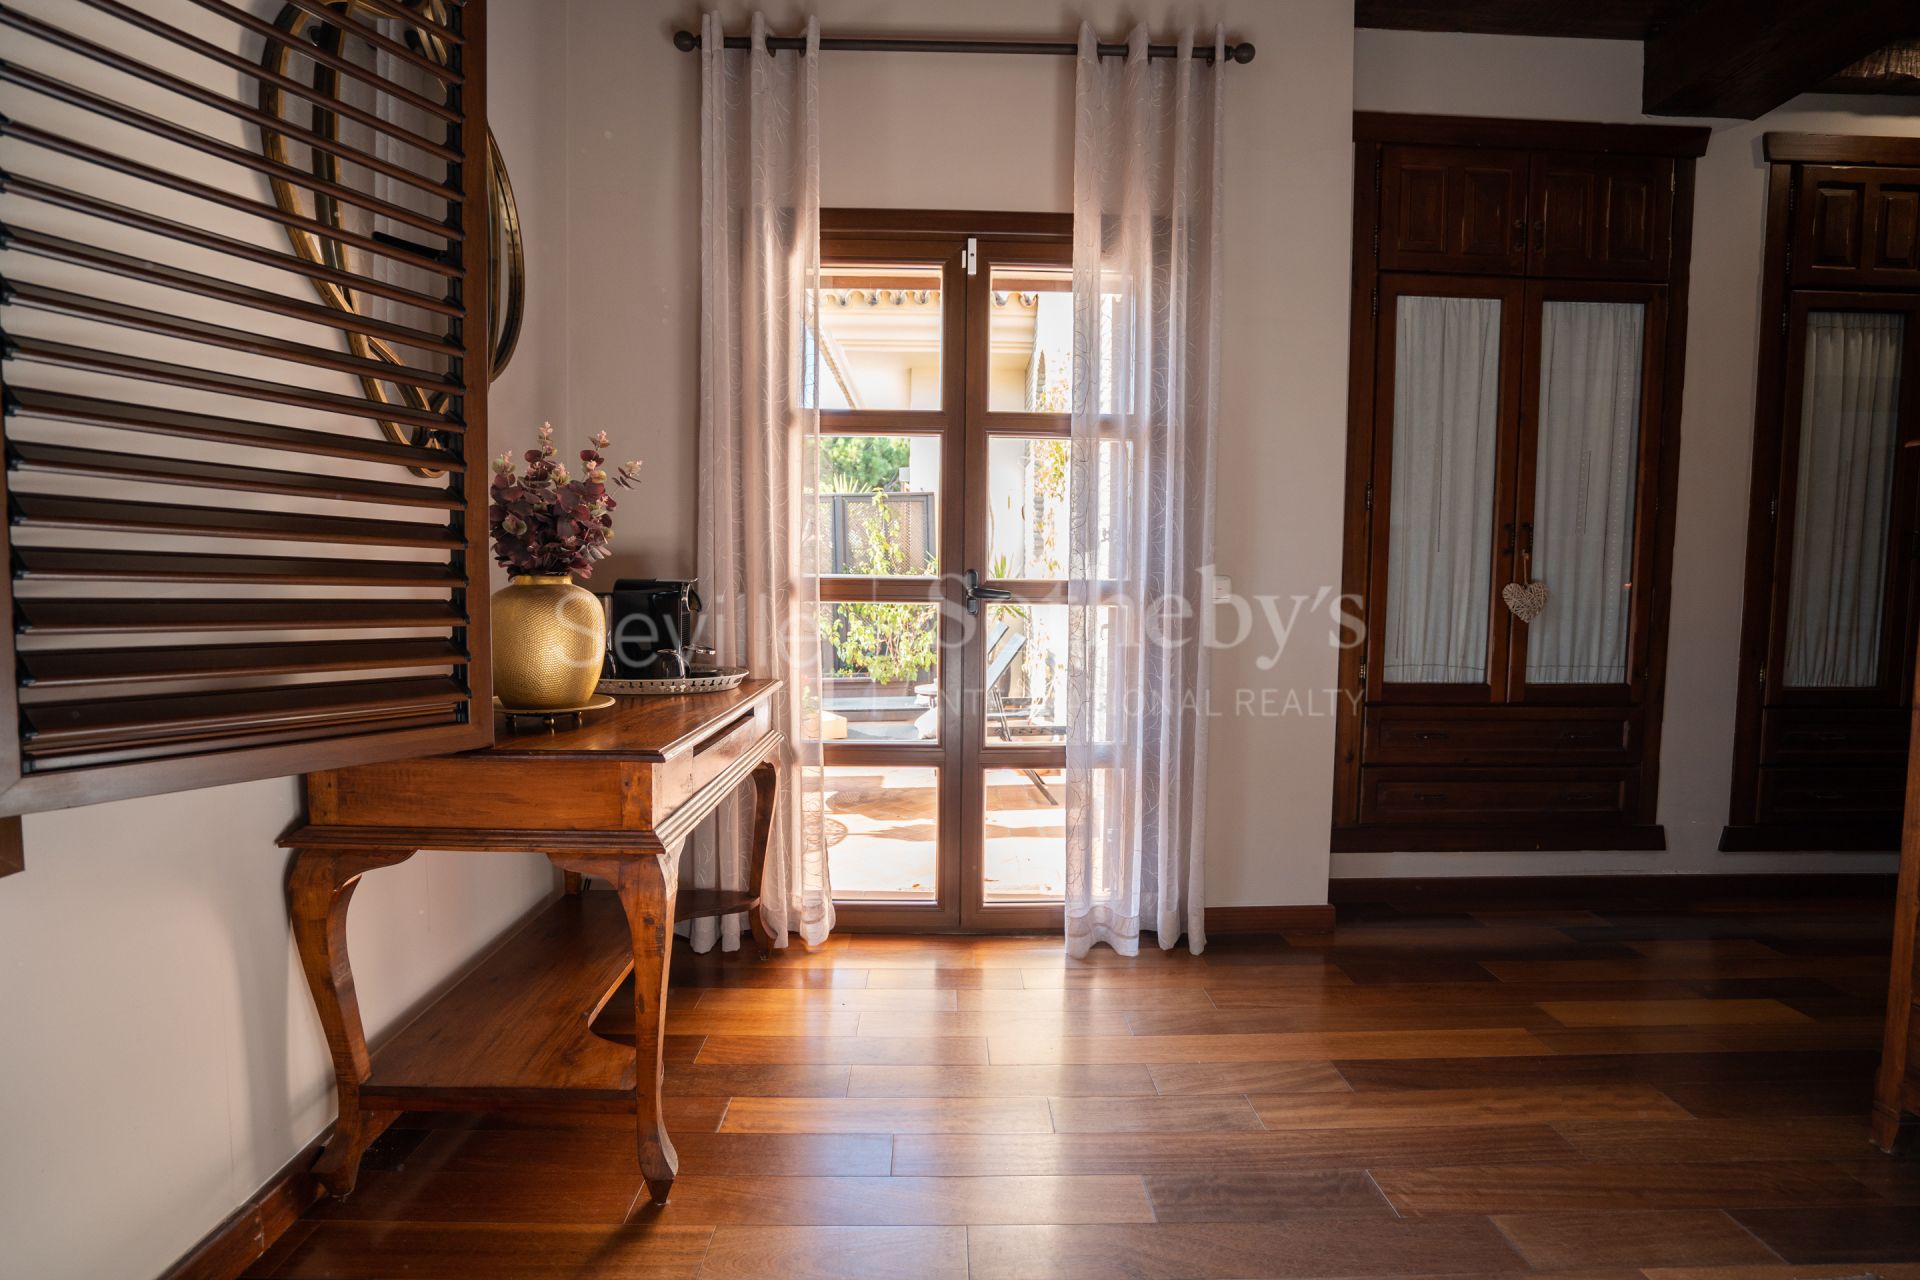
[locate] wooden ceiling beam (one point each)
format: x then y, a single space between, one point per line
1894 69
1743 58
1591 19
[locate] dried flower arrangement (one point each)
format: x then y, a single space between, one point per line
544 522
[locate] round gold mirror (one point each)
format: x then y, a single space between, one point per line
418 43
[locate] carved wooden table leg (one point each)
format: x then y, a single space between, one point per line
647 884
766 798
319 888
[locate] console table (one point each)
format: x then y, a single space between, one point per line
613 798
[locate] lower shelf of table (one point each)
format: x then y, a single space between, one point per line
546 1020
520 1024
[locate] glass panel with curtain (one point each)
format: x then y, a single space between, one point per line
1446 396
1586 461
1849 419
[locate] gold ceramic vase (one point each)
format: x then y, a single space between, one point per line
549 639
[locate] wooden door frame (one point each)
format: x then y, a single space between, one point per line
964 759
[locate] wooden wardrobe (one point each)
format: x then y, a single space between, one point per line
1833 529
1519 303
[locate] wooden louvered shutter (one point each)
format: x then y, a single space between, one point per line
245 288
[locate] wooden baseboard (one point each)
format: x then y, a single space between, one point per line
1658 891
1230 920
236 1244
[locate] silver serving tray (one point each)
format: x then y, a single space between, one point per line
702 680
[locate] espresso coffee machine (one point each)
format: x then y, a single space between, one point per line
650 628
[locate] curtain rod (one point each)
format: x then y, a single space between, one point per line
687 42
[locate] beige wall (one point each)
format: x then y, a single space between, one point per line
956 132
159 1055
1600 80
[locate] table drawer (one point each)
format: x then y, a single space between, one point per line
714 756
677 778
1798 794
1811 735
1424 735
1494 797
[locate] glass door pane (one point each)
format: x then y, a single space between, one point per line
879 334
879 672
1445 460
1026 675
879 499
1028 506
1025 841
1030 340
882 825
1586 457
1843 496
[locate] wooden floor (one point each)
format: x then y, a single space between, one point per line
1630 1093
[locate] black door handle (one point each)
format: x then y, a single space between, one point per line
976 593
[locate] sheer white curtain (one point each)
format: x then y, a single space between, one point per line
1584 474
1446 428
1849 412
1146 287
760 266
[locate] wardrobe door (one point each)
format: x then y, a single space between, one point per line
1857 226
1844 524
1584 497
1601 217
1447 379
1453 209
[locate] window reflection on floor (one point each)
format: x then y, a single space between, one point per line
883 833
1026 835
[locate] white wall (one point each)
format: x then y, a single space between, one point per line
996 133
1600 80
159 1054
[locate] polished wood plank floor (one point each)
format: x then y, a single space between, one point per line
1572 1092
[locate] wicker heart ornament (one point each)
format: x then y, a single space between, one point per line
1527 601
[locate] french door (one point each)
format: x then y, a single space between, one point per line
1513 439
944 358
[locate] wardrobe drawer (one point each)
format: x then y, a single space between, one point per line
1488 797
1807 735
1798 794
1410 735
